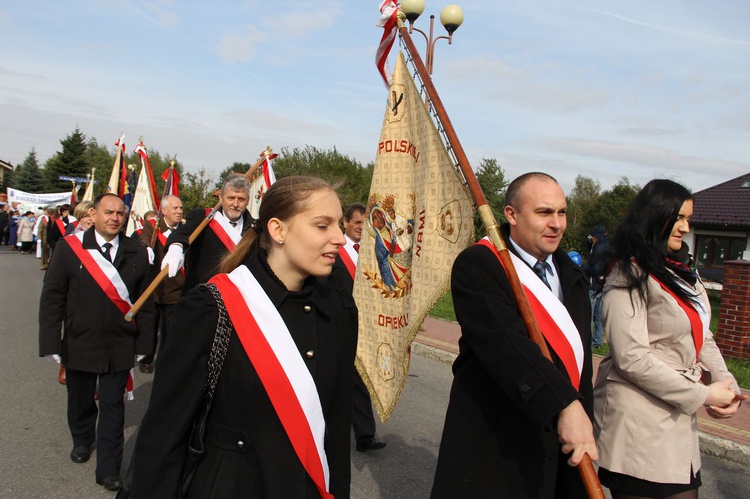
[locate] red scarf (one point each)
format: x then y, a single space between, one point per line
696 324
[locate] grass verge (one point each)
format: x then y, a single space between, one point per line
740 368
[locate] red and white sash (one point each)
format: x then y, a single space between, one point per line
60 225
553 318
227 234
103 271
106 276
275 357
346 257
700 320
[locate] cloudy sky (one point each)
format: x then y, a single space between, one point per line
599 88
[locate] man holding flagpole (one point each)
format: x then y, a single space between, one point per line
220 237
92 280
169 291
517 423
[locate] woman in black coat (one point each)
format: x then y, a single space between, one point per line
249 450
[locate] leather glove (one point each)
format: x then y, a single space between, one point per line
53 358
175 258
151 255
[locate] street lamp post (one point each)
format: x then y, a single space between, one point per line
451 18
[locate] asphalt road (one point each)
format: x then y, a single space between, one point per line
35 442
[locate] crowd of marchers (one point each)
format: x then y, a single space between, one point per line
251 336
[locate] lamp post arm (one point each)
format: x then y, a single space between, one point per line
431 51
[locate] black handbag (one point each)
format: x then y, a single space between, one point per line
196 448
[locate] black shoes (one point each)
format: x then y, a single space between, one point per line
110 482
370 443
80 454
146 368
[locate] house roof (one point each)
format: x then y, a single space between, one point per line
724 205
6 165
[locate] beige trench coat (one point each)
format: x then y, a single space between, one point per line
648 389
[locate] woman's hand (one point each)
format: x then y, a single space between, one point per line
728 411
720 394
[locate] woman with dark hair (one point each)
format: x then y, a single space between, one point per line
281 415
15 218
656 316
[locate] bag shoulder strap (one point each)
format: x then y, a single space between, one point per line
215 364
221 341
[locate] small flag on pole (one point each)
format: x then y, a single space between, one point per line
140 149
74 193
119 166
129 186
261 184
171 181
389 22
142 202
88 194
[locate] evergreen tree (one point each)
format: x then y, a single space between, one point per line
581 202
9 180
28 177
70 162
491 179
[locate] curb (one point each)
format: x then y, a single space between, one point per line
433 353
710 445
724 449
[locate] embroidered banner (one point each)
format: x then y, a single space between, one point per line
419 217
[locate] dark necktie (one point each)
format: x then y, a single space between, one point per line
233 224
105 251
356 247
540 269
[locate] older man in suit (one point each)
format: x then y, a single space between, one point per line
516 422
220 237
170 289
92 279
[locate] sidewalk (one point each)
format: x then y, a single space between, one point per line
724 438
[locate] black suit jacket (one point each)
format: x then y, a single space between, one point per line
500 433
339 278
53 231
170 289
97 337
206 252
323 325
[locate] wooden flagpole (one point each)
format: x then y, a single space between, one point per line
197 232
158 210
585 467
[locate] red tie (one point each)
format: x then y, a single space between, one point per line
356 247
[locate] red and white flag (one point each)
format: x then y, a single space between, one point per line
140 149
259 187
142 203
389 22
171 182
